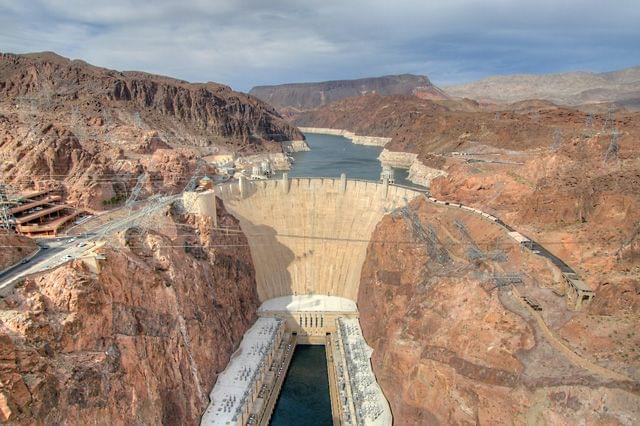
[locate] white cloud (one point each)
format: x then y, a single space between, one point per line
249 42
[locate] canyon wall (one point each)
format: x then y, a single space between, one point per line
309 236
452 347
140 342
305 96
419 172
92 131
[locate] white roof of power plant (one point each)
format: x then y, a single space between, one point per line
234 383
518 237
309 302
371 406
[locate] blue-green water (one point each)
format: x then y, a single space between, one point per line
304 398
332 155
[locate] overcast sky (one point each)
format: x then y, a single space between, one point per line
250 42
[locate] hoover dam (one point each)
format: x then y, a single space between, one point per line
308 238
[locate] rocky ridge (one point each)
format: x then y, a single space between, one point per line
294 98
452 347
92 131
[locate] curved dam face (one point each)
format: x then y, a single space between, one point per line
308 235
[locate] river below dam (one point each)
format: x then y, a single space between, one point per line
332 155
304 398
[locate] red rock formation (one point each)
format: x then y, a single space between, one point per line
450 348
426 127
89 129
140 342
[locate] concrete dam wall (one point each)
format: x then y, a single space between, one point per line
308 235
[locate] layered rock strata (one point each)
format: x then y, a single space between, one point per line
92 131
452 345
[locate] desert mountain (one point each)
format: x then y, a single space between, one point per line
65 122
573 88
308 96
558 175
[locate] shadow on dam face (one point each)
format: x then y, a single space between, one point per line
309 235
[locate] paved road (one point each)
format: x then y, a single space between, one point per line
538 249
62 250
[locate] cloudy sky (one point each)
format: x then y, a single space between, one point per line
249 42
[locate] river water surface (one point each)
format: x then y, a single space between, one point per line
332 155
304 398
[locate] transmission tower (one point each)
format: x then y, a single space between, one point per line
611 153
614 147
128 204
609 121
6 218
506 280
137 121
193 183
135 192
77 124
557 139
588 126
107 121
428 235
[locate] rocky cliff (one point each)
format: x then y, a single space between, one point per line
307 96
141 341
93 130
452 346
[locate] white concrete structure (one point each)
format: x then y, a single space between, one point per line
238 385
521 239
201 203
363 402
311 316
309 303
295 146
419 172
